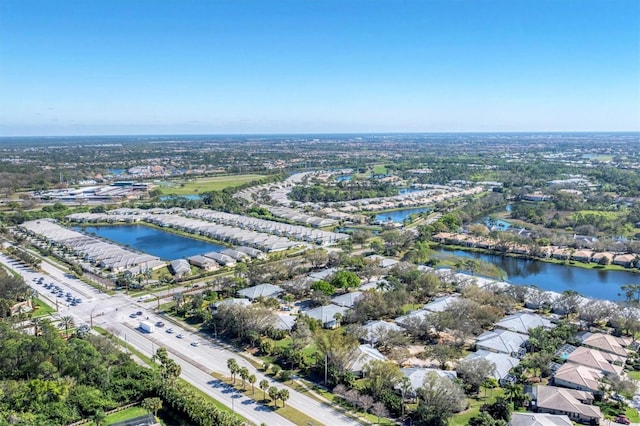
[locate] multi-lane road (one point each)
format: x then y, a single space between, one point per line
113 313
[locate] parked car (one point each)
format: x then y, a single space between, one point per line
622 419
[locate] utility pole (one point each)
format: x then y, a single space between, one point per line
326 361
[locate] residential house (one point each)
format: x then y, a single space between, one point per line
180 267
582 256
347 299
503 362
577 405
522 322
626 260
602 361
579 377
539 419
417 375
261 290
328 315
500 340
605 342
374 329
603 257
364 355
203 263
440 304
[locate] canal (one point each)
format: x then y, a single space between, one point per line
599 284
165 245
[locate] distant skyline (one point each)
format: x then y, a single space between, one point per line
109 67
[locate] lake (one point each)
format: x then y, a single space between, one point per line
399 215
594 283
165 245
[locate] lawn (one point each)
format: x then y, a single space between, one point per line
379 169
126 414
198 186
462 419
41 309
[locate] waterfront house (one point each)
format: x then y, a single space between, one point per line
180 267
626 260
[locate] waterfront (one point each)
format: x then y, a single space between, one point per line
165 245
600 284
399 215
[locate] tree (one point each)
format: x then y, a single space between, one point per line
252 379
67 322
345 279
274 394
379 410
475 371
500 409
383 375
514 392
99 417
244 375
316 257
365 402
443 353
283 395
264 385
439 399
152 405
233 367
484 419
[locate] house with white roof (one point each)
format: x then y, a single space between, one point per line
500 340
261 290
503 362
364 355
417 375
374 329
440 304
522 322
327 314
180 267
539 419
347 299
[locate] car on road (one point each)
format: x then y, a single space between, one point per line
133 315
195 344
159 324
170 330
139 313
179 335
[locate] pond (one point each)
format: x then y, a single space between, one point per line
186 197
399 215
343 178
594 283
165 245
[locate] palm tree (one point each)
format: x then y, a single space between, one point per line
232 364
264 385
252 379
66 322
283 395
152 405
244 375
37 325
99 417
514 393
274 394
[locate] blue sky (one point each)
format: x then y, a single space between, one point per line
260 66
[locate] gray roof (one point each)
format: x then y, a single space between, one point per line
264 290
440 304
417 375
373 327
503 362
180 266
500 340
539 419
364 355
326 313
522 322
347 299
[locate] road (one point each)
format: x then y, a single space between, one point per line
113 314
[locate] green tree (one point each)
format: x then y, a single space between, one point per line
152 405
252 379
264 385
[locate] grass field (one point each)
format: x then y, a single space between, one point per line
126 414
41 309
198 186
461 419
379 169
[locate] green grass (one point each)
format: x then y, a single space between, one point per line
635 375
199 186
462 419
41 309
379 169
632 414
126 414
